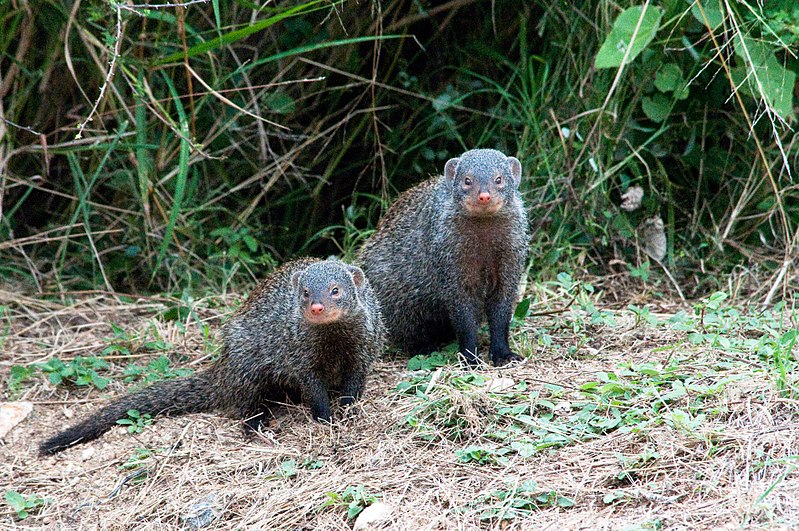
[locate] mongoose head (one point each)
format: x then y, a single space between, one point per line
328 291
483 181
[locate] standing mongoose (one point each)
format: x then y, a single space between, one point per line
450 252
310 327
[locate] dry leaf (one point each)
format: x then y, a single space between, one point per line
631 200
653 237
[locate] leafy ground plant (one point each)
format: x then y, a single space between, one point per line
23 505
136 422
81 371
354 498
518 501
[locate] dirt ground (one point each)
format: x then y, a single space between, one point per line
735 469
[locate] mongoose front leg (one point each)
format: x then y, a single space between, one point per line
315 394
499 310
464 321
352 388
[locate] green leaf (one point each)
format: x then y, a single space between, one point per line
708 13
15 500
250 242
657 108
281 103
522 309
98 381
623 36
246 31
288 468
354 510
564 502
762 76
669 78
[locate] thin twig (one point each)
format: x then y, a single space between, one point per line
109 76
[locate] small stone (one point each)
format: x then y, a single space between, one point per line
11 414
373 516
87 453
201 513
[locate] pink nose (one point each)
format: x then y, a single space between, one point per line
484 197
317 308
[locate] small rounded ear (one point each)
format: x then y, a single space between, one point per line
450 167
357 276
515 170
295 279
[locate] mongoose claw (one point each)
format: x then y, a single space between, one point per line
512 357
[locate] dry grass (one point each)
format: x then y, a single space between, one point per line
734 470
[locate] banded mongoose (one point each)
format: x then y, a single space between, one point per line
449 253
309 327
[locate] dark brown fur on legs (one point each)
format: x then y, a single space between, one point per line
449 253
310 327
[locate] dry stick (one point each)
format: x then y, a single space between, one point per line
263 142
668 274
22 50
376 47
108 76
67 55
562 309
117 45
2 160
229 102
787 261
9 122
392 88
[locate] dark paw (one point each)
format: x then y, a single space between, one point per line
255 424
346 401
504 359
321 415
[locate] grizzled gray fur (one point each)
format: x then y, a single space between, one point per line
310 327
449 253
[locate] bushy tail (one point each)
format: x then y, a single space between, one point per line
170 397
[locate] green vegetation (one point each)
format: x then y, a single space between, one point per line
518 501
503 419
290 468
227 140
136 422
355 499
94 371
81 371
23 505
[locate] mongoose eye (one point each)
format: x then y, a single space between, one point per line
334 291
467 181
306 293
498 180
